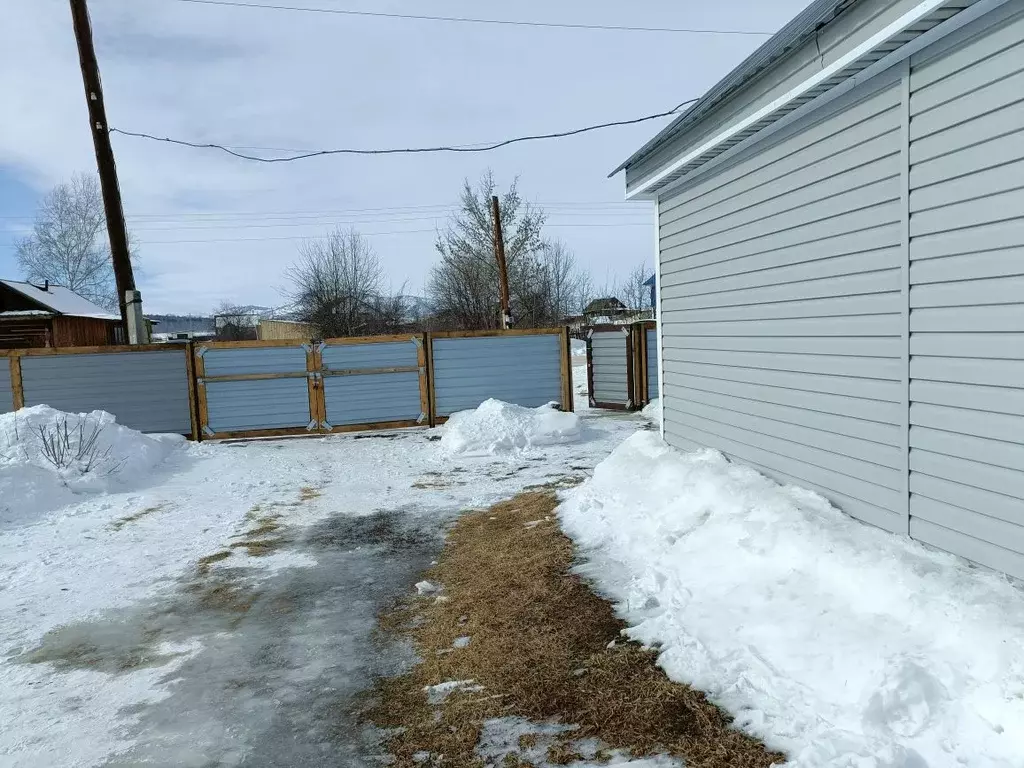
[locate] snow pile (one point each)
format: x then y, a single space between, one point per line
496 427
652 411
837 643
48 458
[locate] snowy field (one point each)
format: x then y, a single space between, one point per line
214 604
837 643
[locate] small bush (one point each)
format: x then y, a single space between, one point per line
75 447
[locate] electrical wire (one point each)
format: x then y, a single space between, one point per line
402 151
468 20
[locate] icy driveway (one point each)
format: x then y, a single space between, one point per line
125 642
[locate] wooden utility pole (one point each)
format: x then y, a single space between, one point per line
499 256
118 234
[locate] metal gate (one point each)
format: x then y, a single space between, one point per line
286 387
610 366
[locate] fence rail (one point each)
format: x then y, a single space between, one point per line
270 388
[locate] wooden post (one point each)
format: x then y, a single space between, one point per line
566 367
17 390
116 230
193 394
499 255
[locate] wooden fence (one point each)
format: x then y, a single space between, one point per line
240 389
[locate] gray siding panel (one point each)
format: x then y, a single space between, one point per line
609 362
242 406
6 394
372 398
781 310
147 391
233 361
524 370
342 357
967 299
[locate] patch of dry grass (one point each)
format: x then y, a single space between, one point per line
308 493
206 563
542 649
117 525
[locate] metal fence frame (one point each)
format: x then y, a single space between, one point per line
314 372
421 368
565 360
15 357
627 363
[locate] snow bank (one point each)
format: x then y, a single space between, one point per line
32 484
495 427
652 411
834 641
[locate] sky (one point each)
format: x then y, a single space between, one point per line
214 228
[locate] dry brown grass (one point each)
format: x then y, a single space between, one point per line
540 647
308 493
206 563
117 525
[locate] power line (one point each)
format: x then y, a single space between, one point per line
405 151
468 20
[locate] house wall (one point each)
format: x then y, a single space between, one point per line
843 306
19 334
82 332
276 329
967 296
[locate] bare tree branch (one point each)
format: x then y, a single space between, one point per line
68 245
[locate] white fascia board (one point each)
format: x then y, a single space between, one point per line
911 17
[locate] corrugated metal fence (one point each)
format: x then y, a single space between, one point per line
148 387
528 368
289 387
622 365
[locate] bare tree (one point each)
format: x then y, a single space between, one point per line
632 292
463 287
337 287
546 284
234 323
69 246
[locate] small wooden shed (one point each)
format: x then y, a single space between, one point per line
53 316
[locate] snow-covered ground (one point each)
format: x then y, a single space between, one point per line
835 642
154 612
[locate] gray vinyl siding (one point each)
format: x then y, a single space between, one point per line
781 307
609 363
967 297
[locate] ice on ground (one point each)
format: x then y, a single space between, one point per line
652 411
495 427
436 694
462 642
49 459
427 588
500 743
836 642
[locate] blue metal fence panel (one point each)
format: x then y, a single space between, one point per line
232 361
243 406
6 393
372 398
525 370
653 368
147 391
610 364
392 354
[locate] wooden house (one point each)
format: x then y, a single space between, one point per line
53 316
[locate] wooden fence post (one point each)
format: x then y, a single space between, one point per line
17 388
